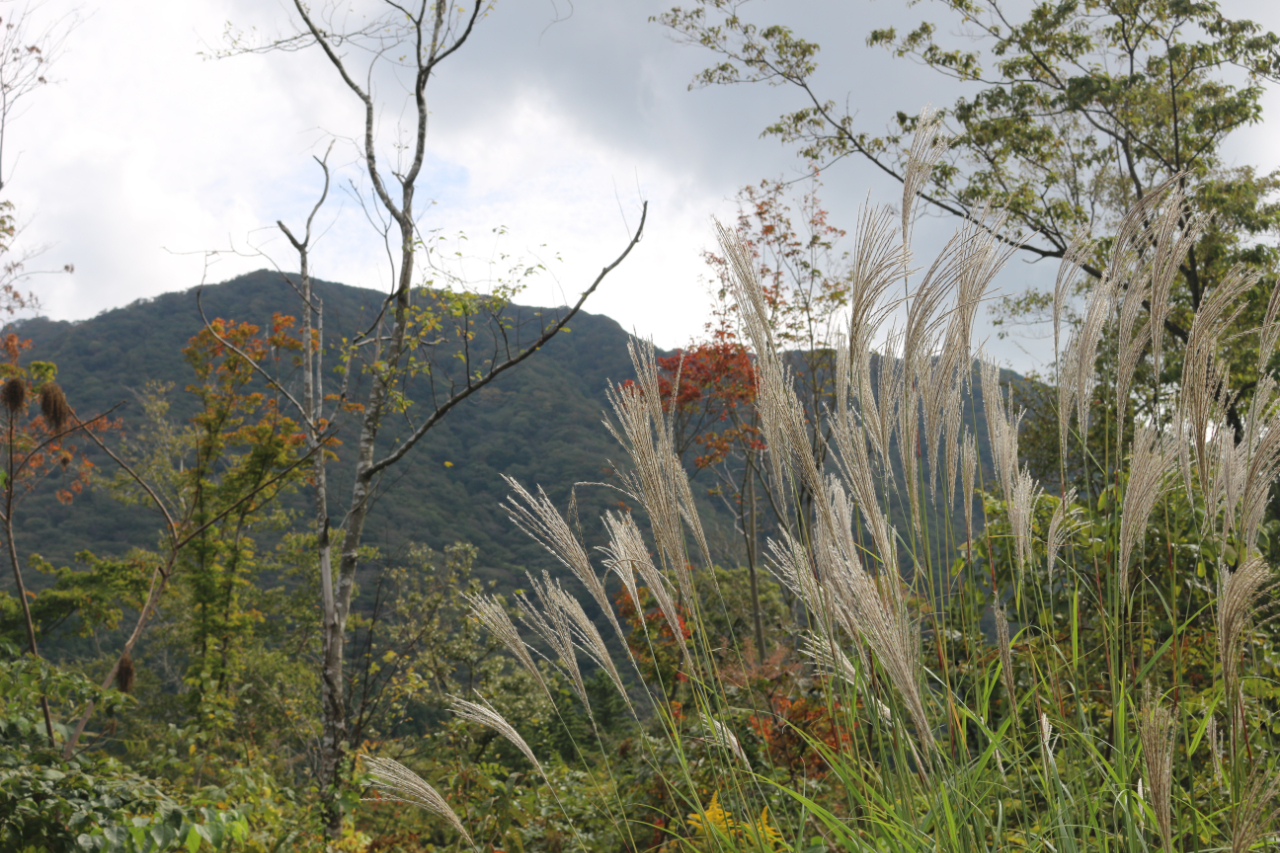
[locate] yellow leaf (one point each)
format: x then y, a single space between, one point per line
448 464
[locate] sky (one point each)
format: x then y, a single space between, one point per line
151 166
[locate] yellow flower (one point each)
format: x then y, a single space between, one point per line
767 836
714 817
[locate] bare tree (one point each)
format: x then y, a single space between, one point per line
412 39
28 49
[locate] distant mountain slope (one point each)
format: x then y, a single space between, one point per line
540 423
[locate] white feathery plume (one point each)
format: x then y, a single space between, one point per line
539 518
1072 260
1157 728
1148 464
927 147
1132 341
484 714
1269 334
1047 739
628 555
642 430
555 628
968 475
954 422
1176 233
1204 394
1238 594
722 737
493 616
1006 652
1021 504
409 787
1067 388
878 259
626 549
1060 527
590 641
1261 443
1084 346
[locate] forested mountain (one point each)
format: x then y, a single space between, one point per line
542 423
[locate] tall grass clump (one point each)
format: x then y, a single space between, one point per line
1089 668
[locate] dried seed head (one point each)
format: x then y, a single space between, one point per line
125 675
1006 653
13 394
53 405
406 786
486 715
1157 726
722 737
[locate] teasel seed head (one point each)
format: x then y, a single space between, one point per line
125 675
53 405
13 394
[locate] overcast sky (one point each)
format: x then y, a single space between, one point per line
552 122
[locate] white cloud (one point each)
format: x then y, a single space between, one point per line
144 149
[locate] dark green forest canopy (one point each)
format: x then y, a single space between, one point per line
541 423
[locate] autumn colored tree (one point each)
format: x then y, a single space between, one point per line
212 484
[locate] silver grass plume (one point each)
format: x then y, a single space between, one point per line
1002 426
1156 728
1175 234
1006 656
889 381
1067 388
1072 260
554 625
483 714
1047 740
927 147
1238 594
642 429
977 257
589 640
722 737
1148 465
968 472
1215 749
1060 527
782 416
1269 333
772 378
1132 340
539 518
628 554
625 550
1084 347
954 423
877 263
1204 395
408 787
1261 449
1257 813
493 616
1021 503
829 658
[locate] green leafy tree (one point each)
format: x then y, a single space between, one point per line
1076 111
